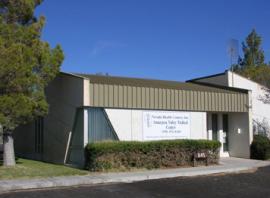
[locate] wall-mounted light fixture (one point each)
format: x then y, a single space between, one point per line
239 131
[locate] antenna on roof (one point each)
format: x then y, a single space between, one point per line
233 52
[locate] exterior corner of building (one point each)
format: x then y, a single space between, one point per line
86 94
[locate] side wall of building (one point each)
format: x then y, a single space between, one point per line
24 142
64 94
260 109
128 123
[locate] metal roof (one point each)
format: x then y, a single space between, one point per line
137 93
165 84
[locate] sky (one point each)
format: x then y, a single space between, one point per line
157 39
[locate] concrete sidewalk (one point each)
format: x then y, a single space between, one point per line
227 165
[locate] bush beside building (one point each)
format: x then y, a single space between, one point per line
260 148
103 156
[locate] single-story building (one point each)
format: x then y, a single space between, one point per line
89 108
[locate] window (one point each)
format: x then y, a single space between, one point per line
39 130
99 126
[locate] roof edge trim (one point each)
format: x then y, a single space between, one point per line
221 87
73 75
209 76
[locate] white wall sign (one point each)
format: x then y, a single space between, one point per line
158 125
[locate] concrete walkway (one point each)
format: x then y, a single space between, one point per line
227 165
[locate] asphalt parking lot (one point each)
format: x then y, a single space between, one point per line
248 184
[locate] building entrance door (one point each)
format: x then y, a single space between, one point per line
225 133
214 127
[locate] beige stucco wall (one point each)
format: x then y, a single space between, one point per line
260 109
64 95
86 94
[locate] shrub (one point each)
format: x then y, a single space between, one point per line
125 155
260 148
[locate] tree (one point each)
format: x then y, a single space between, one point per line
253 54
27 65
263 127
253 65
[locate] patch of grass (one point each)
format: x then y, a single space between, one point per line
35 169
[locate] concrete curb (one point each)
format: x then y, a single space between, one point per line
234 165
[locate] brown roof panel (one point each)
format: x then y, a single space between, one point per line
140 82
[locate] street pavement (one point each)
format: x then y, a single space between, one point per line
227 165
246 184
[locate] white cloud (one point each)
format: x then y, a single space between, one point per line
101 46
